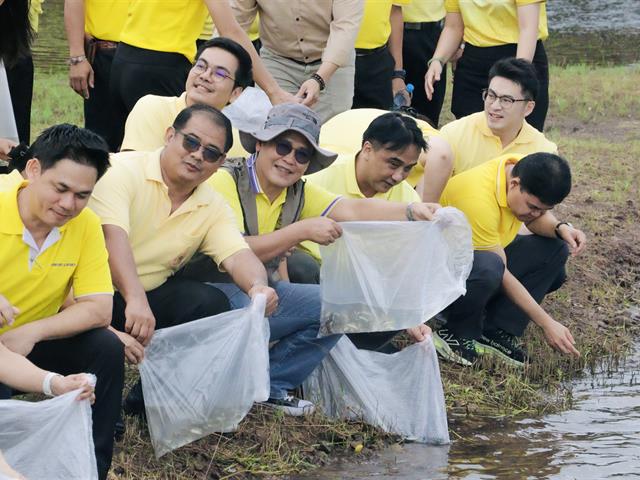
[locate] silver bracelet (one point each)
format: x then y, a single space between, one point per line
46 383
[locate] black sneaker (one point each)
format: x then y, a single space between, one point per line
293 406
450 347
503 344
120 429
134 402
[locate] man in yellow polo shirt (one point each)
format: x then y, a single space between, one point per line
379 72
93 31
343 135
511 273
221 72
501 128
49 245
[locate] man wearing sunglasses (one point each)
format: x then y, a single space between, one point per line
501 128
222 70
156 213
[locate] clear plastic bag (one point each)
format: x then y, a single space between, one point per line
49 439
249 111
400 393
7 122
384 276
203 376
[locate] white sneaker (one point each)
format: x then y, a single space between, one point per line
294 406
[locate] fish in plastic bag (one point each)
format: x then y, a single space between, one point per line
401 392
203 376
385 276
51 439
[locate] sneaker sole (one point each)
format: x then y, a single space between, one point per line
444 350
484 349
291 411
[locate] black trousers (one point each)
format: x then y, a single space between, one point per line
97 109
303 268
418 46
472 72
99 352
177 301
137 72
537 262
20 79
372 84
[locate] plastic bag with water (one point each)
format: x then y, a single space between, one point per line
203 376
51 439
400 393
384 276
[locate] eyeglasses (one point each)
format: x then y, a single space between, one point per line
302 155
191 144
218 73
506 101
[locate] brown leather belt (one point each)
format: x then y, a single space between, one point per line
105 44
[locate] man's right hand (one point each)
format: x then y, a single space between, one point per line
140 322
61 385
432 76
133 350
322 230
560 338
81 78
8 312
270 293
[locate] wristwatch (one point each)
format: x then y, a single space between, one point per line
557 228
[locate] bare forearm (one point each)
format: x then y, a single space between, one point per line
19 373
544 225
326 70
519 295
74 26
528 17
451 36
396 37
122 264
246 270
274 244
349 210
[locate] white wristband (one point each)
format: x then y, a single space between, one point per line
46 383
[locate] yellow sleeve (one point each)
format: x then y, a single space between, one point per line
114 195
223 238
520 3
452 6
223 183
484 217
144 129
92 275
318 202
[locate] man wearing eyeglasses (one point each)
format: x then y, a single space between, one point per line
221 72
501 128
156 213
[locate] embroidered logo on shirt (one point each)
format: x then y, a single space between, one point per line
64 264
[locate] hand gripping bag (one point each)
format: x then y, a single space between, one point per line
51 439
401 393
203 376
384 276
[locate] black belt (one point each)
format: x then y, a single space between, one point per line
362 52
299 62
419 25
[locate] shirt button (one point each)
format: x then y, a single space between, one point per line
297 19
302 39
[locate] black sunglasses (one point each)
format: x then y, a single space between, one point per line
191 144
302 155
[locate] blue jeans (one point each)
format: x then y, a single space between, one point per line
295 325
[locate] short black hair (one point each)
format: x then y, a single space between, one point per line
394 131
244 73
519 71
544 175
70 142
213 114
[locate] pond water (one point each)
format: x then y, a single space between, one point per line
582 31
599 438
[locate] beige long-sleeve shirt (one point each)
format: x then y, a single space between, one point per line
305 30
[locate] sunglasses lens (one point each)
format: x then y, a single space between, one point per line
303 157
283 148
190 144
211 155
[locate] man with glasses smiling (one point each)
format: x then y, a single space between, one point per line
221 72
156 213
501 128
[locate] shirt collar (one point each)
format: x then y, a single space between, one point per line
524 135
353 189
501 179
254 183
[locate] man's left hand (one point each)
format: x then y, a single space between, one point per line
423 210
576 239
309 92
398 86
419 333
20 340
270 293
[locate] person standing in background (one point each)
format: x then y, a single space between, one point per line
491 31
422 28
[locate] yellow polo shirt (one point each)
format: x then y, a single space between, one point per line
254 29
133 196
317 201
375 27
207 30
104 19
424 11
165 25
473 142
481 194
488 23
343 134
76 258
340 178
35 10
10 180
147 124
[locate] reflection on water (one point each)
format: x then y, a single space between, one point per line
598 439
589 15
